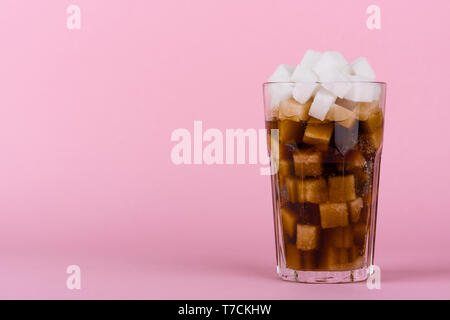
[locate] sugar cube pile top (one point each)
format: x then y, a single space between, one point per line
323 78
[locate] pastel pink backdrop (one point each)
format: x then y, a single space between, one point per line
85 124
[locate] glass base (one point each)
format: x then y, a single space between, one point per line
324 276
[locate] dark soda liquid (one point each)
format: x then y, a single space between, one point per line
325 191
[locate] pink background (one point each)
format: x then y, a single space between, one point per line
85 124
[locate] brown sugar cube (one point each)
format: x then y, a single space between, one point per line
307 237
307 163
309 260
362 182
291 109
312 190
290 131
342 116
291 187
356 260
350 122
365 108
375 138
355 207
348 104
342 188
334 258
374 121
359 234
329 258
353 253
289 221
353 160
343 256
318 134
333 215
338 113
358 263
285 168
293 257
339 237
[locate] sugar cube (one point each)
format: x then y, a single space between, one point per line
291 188
353 161
290 109
329 258
355 207
312 190
338 113
374 139
362 68
309 260
359 234
336 82
333 258
280 91
309 60
289 221
330 60
341 237
284 168
374 120
307 237
333 215
365 109
348 104
362 90
353 253
343 116
293 257
290 131
322 102
307 163
342 188
318 134
303 91
305 78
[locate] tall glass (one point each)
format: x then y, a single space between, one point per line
324 183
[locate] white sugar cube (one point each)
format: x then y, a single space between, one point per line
363 90
308 61
303 91
282 74
330 60
348 70
336 82
306 84
321 104
303 72
280 91
376 91
362 68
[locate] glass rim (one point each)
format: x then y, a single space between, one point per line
321 82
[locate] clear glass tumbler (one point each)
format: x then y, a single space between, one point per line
325 183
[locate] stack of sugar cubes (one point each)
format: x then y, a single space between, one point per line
324 78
